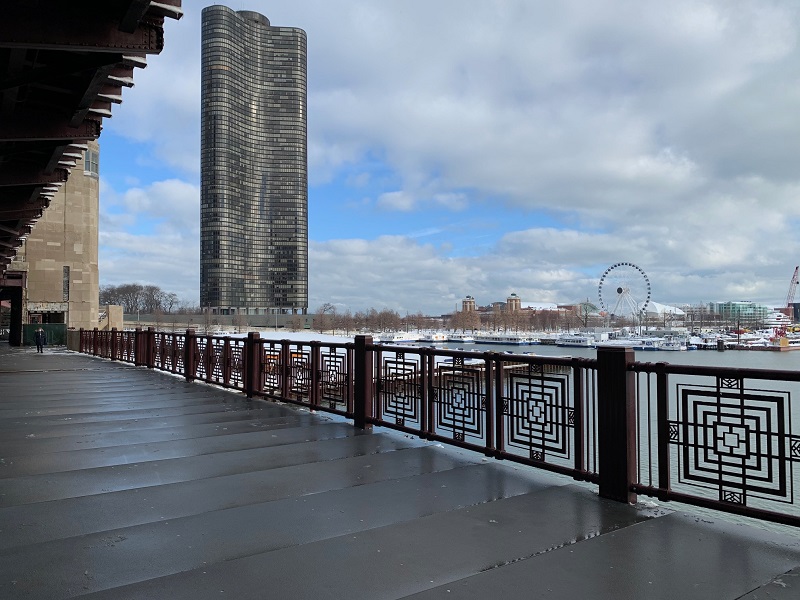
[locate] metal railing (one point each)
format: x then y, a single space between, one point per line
721 438
715 437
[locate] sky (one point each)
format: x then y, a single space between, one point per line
492 147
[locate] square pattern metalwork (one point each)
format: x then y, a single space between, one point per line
271 365
400 389
236 363
539 417
334 378
300 369
736 441
460 401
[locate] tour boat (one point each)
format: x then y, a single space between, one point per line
574 340
507 339
434 337
461 338
398 337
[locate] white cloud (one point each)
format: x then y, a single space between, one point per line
661 133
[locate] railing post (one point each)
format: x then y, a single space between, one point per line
364 368
189 355
494 404
315 393
252 364
150 352
80 339
114 343
616 423
138 347
662 419
95 341
579 420
286 369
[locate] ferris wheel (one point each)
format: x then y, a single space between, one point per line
624 291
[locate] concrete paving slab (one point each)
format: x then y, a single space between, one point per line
124 556
41 430
54 486
142 436
81 482
17 466
113 510
400 559
675 556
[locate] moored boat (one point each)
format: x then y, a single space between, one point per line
574 340
398 337
461 338
508 339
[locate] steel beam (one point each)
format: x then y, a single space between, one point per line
59 26
32 127
15 173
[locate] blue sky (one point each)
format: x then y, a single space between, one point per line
492 147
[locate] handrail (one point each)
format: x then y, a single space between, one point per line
695 434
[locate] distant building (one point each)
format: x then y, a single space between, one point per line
254 173
513 303
468 304
748 312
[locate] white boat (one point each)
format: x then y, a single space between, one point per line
673 345
434 337
507 339
574 340
635 343
461 338
649 344
398 337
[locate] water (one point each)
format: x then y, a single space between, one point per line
752 359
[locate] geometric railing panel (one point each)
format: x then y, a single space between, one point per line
216 367
300 369
460 401
539 418
400 392
236 363
271 370
178 342
201 368
334 378
735 441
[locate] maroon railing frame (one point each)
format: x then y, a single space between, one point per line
298 376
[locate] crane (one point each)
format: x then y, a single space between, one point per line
792 288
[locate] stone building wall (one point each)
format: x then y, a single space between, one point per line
61 252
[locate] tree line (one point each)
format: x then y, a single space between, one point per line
148 299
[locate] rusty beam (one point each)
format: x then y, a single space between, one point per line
27 214
15 173
133 15
12 231
65 28
79 62
31 127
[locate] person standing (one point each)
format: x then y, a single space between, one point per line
40 337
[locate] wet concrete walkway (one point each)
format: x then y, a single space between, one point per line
119 482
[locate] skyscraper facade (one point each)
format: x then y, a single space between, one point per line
254 167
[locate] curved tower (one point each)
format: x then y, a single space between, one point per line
254 172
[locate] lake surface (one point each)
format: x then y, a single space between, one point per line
753 359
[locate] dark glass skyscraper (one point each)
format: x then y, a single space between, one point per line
254 180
